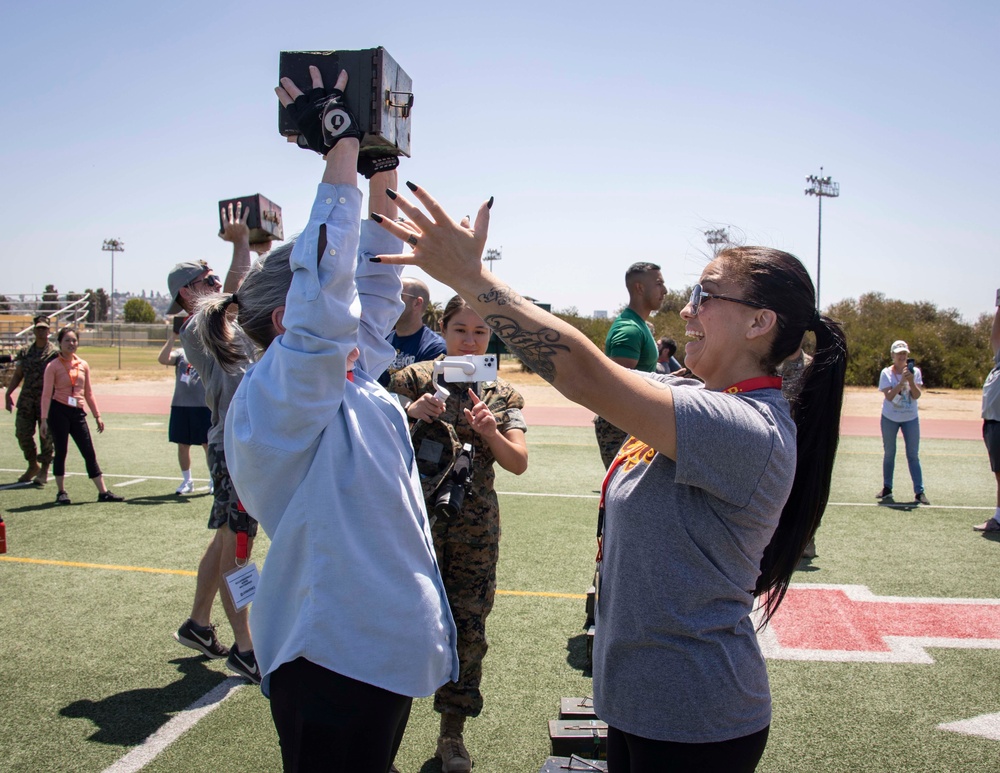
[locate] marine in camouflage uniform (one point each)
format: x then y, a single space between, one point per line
30 371
467 546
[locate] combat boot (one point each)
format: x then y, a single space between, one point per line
451 746
31 472
42 477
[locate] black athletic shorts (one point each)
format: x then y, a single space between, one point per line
991 436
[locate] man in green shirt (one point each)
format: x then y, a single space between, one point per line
630 342
29 370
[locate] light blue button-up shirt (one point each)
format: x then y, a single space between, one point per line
351 582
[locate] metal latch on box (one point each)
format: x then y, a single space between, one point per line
392 99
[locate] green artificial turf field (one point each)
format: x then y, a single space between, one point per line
90 593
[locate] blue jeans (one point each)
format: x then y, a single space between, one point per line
911 439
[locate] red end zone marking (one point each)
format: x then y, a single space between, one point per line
849 623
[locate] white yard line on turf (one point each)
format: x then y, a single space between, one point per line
106 475
131 482
895 506
984 726
149 749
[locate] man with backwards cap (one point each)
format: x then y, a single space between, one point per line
29 371
189 282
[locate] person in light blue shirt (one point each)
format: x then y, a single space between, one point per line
350 620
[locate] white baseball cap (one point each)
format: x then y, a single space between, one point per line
898 346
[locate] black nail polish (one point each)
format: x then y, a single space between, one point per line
390 193
375 217
374 260
489 204
411 186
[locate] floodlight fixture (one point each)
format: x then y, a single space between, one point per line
821 187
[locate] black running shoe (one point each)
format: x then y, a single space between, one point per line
62 498
244 664
885 492
922 498
108 496
202 639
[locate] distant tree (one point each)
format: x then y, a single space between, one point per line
99 303
138 310
50 300
4 303
595 329
432 315
950 353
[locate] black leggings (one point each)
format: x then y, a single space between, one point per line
632 754
66 421
329 722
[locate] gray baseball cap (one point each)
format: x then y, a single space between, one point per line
182 275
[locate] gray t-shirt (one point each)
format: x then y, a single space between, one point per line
189 391
675 653
991 391
220 385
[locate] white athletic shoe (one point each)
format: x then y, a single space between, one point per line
186 487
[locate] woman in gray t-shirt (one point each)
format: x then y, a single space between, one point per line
709 503
190 417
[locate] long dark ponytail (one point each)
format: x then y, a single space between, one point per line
780 282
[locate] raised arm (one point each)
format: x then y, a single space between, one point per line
166 355
451 253
235 231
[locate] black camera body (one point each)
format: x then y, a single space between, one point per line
910 364
450 496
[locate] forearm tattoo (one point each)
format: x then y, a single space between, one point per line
501 296
535 348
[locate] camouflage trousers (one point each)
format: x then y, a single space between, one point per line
470 579
25 424
609 439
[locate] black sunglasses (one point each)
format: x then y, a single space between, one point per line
211 280
699 296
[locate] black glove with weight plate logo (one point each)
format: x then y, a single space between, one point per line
323 119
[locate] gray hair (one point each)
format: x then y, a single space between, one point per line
264 290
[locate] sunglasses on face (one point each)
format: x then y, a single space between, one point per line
211 280
699 296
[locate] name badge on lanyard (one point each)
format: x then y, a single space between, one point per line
72 372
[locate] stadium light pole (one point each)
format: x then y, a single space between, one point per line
820 186
716 238
492 255
113 246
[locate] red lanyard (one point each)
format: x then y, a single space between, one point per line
748 385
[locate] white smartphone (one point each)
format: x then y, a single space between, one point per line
469 367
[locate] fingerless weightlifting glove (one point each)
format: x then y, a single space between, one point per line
323 119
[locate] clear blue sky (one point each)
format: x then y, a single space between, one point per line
608 133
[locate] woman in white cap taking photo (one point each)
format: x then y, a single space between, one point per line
901 383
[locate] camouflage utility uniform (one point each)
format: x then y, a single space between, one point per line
467 546
32 362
